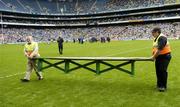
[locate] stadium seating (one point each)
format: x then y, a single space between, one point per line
126 32
77 6
43 15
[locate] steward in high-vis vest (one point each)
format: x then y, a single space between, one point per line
166 49
161 53
31 51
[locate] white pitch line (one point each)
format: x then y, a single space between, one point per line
11 75
134 50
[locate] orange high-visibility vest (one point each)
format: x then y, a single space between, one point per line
165 50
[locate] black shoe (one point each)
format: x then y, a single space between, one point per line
162 89
24 80
40 78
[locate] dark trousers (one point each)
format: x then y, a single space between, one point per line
60 49
161 63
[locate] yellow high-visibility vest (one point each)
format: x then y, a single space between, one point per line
29 48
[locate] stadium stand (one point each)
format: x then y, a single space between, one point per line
129 32
121 20
77 6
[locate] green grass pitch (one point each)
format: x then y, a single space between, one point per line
83 88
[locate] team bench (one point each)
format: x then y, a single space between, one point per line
97 61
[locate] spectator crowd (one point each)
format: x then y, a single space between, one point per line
121 32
